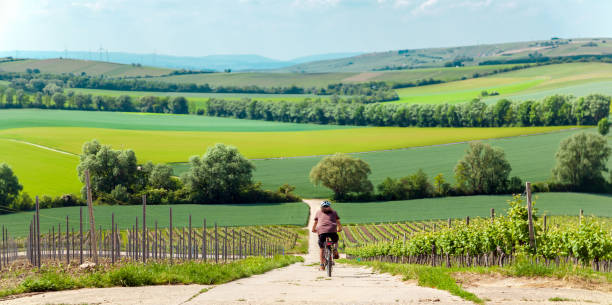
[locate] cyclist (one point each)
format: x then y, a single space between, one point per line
327 224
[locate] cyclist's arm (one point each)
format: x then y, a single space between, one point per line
339 225
314 227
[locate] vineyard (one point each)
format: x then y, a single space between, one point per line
72 243
486 242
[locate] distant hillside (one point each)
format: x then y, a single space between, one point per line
58 66
456 56
211 62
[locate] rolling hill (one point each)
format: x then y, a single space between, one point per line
465 55
77 66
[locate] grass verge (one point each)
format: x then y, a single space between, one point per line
56 278
426 276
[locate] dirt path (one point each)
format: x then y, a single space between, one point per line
305 284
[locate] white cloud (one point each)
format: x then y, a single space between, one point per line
315 3
97 5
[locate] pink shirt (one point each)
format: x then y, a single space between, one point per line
327 223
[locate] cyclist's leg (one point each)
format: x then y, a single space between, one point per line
322 250
334 237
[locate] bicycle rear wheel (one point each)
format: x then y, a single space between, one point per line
329 259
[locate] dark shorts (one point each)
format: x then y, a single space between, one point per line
322 237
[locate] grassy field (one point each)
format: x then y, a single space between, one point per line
90 67
41 171
198 100
178 146
224 215
323 79
437 57
538 82
473 206
531 157
21 118
174 138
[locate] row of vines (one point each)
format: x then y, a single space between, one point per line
496 241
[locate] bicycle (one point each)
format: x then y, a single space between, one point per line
329 256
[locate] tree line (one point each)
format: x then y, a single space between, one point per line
221 175
53 97
36 82
484 170
551 111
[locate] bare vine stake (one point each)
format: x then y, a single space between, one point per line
67 242
37 233
216 244
113 238
190 249
92 222
145 245
204 240
171 235
492 215
530 216
81 235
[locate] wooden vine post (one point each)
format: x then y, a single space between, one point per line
92 222
530 216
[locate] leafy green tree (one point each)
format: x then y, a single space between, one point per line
124 103
342 174
161 177
218 176
178 105
603 126
9 185
581 161
483 170
108 168
59 99
442 188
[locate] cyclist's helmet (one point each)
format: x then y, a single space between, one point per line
325 204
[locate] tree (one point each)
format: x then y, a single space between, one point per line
9 185
483 170
59 99
342 174
441 186
178 105
124 103
218 176
603 126
161 177
581 161
108 168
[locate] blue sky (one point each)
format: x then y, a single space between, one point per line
285 29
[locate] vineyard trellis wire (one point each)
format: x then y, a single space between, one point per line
70 243
486 242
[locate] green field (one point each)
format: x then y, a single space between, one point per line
473 206
175 138
178 146
41 171
199 100
90 67
222 214
531 157
534 83
437 57
307 80
22 118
